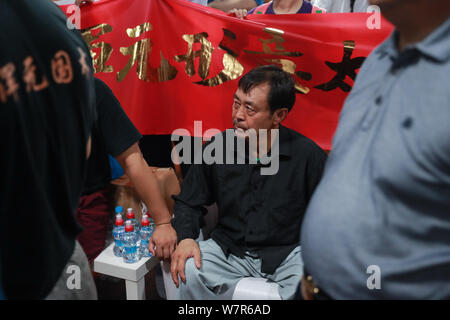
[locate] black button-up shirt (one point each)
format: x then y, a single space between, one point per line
260 213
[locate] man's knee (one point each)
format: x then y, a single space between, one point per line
190 270
188 290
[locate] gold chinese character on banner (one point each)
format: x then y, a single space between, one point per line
139 54
347 67
290 67
7 74
204 54
29 76
62 67
279 50
106 49
278 40
232 67
164 72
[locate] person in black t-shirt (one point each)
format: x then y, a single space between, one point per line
2 295
116 135
47 108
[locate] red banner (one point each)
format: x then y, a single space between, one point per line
171 62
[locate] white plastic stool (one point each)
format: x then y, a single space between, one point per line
133 273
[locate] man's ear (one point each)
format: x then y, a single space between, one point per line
279 115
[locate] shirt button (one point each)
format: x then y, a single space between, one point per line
378 100
407 123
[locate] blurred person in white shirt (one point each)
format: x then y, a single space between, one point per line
342 5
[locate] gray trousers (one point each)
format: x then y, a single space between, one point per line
76 281
219 275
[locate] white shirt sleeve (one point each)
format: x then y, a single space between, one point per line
341 5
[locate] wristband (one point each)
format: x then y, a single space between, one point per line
160 224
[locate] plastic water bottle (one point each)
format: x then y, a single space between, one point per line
130 246
119 210
145 234
134 222
118 232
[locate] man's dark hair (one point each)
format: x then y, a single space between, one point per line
282 85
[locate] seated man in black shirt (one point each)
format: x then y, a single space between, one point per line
258 228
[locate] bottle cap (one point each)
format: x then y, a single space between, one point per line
119 220
119 209
128 226
145 221
130 213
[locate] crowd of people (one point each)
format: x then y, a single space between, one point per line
371 220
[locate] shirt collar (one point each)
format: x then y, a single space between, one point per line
285 145
436 45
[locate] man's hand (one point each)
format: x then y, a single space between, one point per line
165 239
187 248
239 13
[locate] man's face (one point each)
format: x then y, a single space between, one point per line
251 110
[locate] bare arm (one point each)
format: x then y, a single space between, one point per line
227 5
